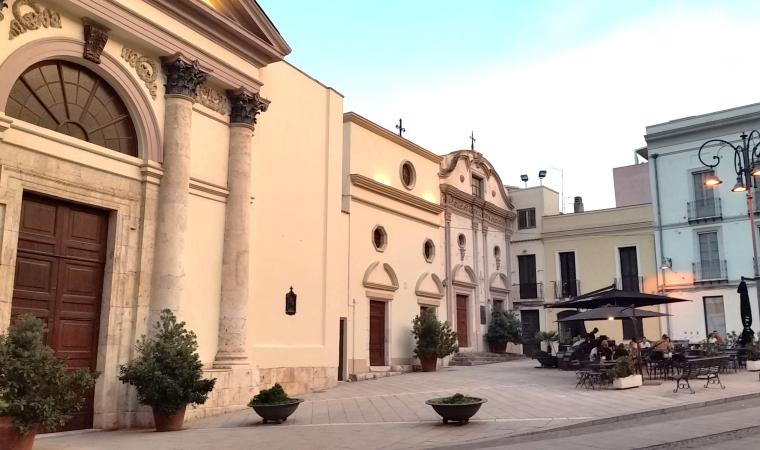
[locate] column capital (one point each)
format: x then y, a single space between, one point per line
245 106
182 76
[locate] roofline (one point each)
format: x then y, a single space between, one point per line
391 136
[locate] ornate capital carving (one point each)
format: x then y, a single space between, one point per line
244 107
38 17
95 38
182 77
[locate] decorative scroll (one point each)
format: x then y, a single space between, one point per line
213 99
38 17
144 67
95 38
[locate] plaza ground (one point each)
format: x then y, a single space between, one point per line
390 413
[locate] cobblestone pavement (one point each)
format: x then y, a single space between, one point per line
389 413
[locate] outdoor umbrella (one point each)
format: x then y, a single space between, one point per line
746 313
614 297
615 312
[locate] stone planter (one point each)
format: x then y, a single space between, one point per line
460 412
498 347
277 413
169 423
628 382
429 364
753 366
11 440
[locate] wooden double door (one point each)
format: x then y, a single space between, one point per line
462 330
59 279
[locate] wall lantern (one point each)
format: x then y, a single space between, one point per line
290 302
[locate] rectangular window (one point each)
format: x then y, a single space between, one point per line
715 315
477 186
526 267
568 284
704 197
526 218
629 270
709 256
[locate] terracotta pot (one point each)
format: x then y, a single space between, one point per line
498 347
11 440
429 364
169 423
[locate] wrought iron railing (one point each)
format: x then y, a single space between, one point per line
530 291
567 289
710 270
703 209
631 283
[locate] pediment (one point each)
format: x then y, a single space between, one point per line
380 276
498 282
464 275
242 25
429 285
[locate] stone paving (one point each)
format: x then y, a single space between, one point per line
390 413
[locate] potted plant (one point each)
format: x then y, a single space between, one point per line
547 339
273 404
434 339
457 408
167 372
753 356
625 376
37 391
505 327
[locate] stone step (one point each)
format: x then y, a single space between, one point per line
379 368
371 375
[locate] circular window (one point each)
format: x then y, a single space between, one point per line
461 240
379 238
428 250
408 175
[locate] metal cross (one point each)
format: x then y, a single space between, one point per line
472 140
400 127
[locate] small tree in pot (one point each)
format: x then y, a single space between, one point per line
753 356
435 339
625 375
550 337
37 392
504 328
168 372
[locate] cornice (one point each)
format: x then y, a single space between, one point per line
464 199
677 131
609 229
387 134
394 193
118 17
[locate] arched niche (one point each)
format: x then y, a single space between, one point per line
463 275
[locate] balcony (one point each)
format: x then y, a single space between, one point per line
704 210
633 283
710 271
529 291
566 289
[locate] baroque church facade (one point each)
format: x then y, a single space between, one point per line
158 154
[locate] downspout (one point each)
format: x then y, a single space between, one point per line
659 234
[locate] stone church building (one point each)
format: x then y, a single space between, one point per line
161 154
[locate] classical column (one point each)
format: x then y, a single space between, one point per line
168 281
244 108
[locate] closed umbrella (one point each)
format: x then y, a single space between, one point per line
746 313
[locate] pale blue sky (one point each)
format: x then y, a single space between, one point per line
569 84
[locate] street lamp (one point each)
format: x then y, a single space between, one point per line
746 166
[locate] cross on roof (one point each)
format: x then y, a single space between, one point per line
400 127
472 140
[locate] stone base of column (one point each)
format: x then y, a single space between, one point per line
235 386
225 360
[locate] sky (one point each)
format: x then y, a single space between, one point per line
566 86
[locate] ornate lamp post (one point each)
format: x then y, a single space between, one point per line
747 167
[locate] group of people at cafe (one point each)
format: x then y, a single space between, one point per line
602 348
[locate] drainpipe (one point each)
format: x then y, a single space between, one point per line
659 234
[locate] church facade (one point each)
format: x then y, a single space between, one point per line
159 156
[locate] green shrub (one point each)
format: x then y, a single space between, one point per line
504 327
711 348
457 399
753 351
167 373
435 339
275 395
35 385
547 336
624 367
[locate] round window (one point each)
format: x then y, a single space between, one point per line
379 238
461 240
408 175
428 250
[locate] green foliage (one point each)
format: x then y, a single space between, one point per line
732 339
624 367
435 339
710 347
275 395
753 351
167 373
457 399
547 336
35 386
504 327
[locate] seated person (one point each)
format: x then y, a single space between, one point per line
663 345
592 334
633 348
645 343
605 350
620 351
594 354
